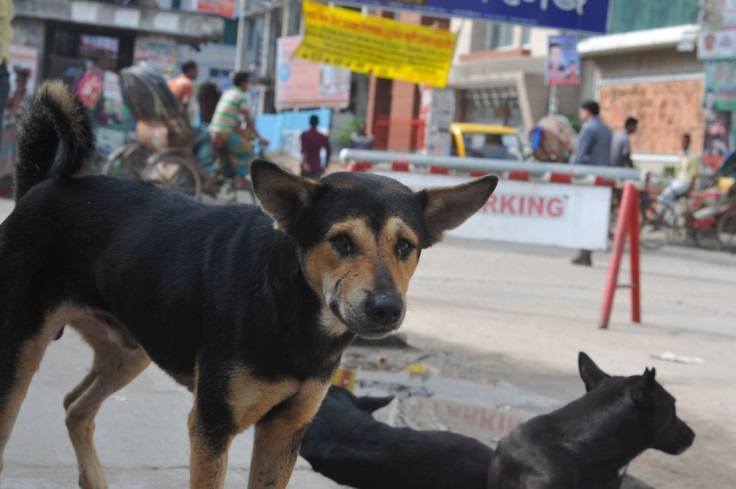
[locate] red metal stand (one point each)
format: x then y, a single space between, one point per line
627 224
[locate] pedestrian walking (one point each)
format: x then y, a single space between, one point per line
593 148
621 144
312 143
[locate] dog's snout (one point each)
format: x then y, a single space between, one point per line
384 309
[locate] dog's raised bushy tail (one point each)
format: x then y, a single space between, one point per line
54 116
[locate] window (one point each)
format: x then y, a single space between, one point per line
500 36
230 34
637 15
526 36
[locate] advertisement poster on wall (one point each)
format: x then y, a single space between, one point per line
302 84
715 140
159 54
23 61
720 86
718 29
437 110
563 61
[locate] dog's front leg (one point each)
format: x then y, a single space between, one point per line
210 439
279 435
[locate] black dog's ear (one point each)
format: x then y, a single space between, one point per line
589 372
643 393
371 404
446 208
283 196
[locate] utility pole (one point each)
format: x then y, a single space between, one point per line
553 101
240 48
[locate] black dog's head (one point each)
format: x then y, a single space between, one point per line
654 407
347 401
360 237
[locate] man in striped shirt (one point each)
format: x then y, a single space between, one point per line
226 127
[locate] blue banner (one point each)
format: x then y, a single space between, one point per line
577 15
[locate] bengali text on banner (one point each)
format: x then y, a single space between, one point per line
388 48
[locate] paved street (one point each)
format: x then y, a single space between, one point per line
499 315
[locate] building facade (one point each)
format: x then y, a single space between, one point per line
647 68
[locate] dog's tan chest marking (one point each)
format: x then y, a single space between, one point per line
250 398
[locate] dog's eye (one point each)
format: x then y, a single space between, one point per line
343 244
404 248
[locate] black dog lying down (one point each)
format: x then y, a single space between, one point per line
589 443
346 444
592 440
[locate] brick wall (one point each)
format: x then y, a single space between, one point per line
665 111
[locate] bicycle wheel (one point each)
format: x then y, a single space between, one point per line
726 230
657 222
175 172
128 161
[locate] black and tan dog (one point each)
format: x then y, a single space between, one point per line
249 310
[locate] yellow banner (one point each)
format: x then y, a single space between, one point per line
388 48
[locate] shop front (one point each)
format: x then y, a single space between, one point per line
87 43
506 92
655 77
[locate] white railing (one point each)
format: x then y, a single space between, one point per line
535 169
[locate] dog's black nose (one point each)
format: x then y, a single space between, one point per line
384 309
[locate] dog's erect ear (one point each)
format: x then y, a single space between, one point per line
283 196
370 404
589 372
643 393
447 207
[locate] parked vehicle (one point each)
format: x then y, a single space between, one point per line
486 141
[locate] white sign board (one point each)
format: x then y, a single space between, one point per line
573 216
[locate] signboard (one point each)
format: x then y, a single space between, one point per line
718 29
563 61
573 216
225 8
576 15
302 84
388 48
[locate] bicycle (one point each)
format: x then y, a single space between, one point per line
656 219
172 168
177 169
707 218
